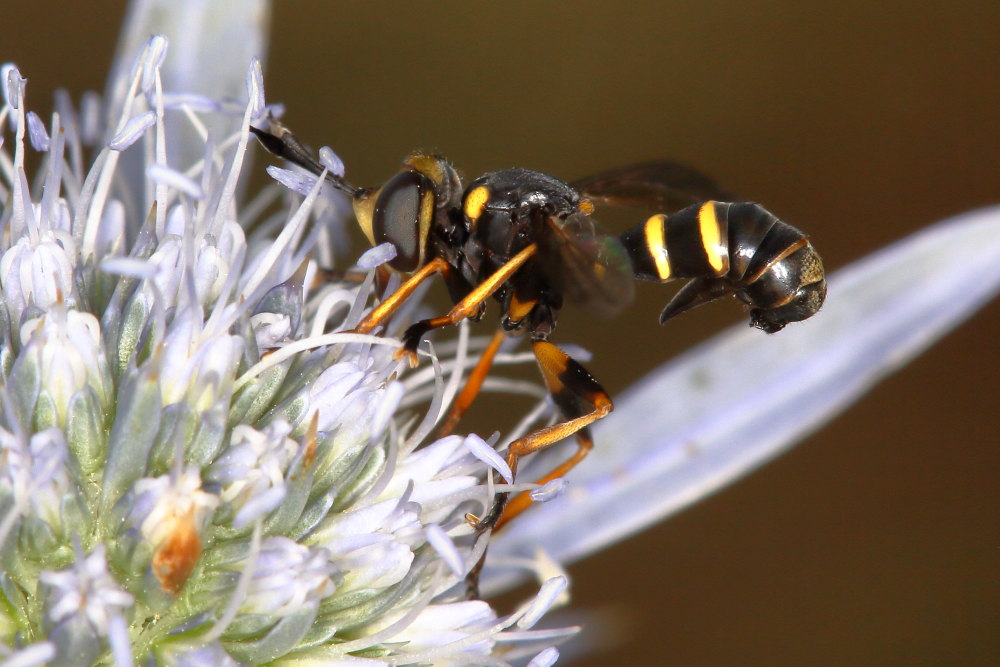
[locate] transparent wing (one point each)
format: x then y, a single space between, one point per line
591 268
660 185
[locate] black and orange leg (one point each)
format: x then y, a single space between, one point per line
580 398
467 307
472 385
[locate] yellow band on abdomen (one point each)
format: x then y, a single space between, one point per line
711 241
656 245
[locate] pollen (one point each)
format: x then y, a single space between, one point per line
176 557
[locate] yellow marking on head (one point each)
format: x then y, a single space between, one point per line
585 206
364 209
475 201
431 166
425 221
656 245
711 239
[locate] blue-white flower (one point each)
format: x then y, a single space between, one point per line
196 465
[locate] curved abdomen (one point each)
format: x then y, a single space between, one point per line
731 248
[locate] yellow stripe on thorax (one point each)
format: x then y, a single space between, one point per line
475 201
656 245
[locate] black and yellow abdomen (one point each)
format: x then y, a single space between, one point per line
731 248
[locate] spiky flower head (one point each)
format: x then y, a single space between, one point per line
196 464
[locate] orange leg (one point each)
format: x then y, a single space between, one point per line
472 386
385 309
467 307
523 501
580 398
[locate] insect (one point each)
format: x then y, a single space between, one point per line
529 241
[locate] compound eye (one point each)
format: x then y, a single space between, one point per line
403 212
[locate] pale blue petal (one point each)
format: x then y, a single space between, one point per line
174 179
445 548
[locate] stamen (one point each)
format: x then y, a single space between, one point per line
13 85
296 181
478 447
255 90
132 130
377 256
331 161
36 133
152 59
546 658
551 489
549 594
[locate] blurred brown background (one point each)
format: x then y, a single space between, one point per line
874 542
